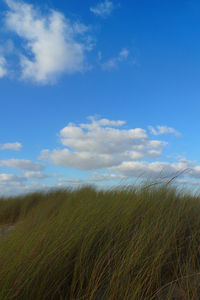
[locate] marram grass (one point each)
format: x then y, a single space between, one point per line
133 243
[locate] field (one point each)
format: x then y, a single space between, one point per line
89 244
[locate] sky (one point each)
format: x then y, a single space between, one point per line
98 92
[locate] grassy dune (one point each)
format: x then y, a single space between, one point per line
102 245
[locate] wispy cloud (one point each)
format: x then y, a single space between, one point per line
3 66
114 62
35 175
11 146
103 9
73 181
96 177
10 178
52 43
22 164
158 130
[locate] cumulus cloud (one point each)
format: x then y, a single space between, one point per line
123 153
195 172
101 144
16 185
11 179
156 169
158 130
3 68
103 9
11 184
22 164
114 62
52 43
11 146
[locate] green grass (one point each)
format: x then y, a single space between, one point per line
133 243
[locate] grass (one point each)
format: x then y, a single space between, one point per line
132 243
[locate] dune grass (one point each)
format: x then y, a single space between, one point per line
133 243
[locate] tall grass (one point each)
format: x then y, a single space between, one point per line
101 245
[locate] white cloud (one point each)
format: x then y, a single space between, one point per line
195 172
22 164
103 9
123 54
11 184
11 146
52 43
163 130
3 69
110 64
99 144
35 175
15 185
11 179
95 123
71 181
114 62
106 144
96 177
155 169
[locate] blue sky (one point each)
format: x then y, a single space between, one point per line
98 92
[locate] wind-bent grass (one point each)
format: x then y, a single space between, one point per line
102 245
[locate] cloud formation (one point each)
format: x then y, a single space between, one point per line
22 164
11 179
156 169
94 178
3 69
11 146
115 61
35 175
11 184
103 9
99 144
115 152
158 130
52 43
123 153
